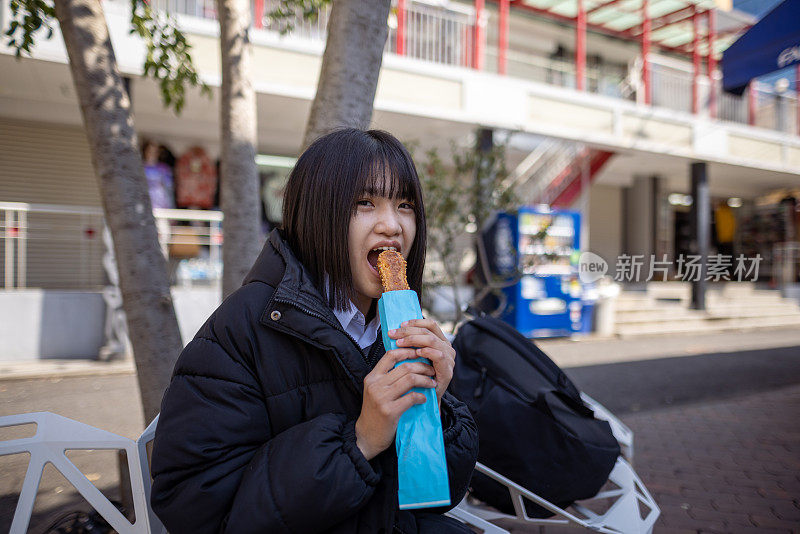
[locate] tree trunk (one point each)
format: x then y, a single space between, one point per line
357 33
107 118
239 174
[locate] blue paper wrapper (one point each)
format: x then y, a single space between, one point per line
421 461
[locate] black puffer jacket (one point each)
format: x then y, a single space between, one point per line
257 427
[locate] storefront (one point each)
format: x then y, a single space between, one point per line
767 226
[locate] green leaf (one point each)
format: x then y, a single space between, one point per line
465 189
283 17
167 56
27 17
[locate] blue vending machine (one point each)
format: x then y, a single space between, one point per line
549 299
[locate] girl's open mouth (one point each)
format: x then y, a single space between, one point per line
372 257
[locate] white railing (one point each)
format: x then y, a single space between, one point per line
777 111
672 89
204 9
192 241
732 108
309 30
61 247
608 80
439 34
15 236
37 237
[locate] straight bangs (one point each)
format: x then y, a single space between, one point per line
389 177
328 180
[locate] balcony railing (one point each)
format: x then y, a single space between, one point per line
63 247
445 34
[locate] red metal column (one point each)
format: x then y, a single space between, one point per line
258 14
580 48
695 61
502 30
646 51
400 37
711 64
477 44
752 102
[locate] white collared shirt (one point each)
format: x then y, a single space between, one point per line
353 322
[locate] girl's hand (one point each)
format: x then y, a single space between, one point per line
386 398
429 342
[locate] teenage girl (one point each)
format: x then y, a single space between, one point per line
282 411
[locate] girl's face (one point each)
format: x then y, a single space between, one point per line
377 222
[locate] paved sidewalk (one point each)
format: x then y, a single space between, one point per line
716 422
62 368
731 466
595 351
566 352
725 467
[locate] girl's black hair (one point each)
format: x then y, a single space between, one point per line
324 186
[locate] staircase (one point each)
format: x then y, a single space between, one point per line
566 186
663 308
551 174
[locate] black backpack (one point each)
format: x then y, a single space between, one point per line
533 426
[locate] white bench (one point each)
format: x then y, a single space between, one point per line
56 434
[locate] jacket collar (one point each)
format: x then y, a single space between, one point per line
298 308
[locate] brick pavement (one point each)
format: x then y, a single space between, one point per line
724 467
727 466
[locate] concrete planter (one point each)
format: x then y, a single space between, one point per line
42 324
37 324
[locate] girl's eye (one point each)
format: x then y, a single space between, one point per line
364 202
407 205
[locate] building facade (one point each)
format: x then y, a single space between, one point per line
604 106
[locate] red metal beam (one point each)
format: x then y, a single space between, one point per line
623 34
686 48
400 43
685 13
646 51
695 62
633 33
601 6
580 48
671 23
752 102
599 28
711 65
597 159
502 31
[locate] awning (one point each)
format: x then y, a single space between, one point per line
772 44
671 20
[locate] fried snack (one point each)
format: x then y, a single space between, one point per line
392 270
